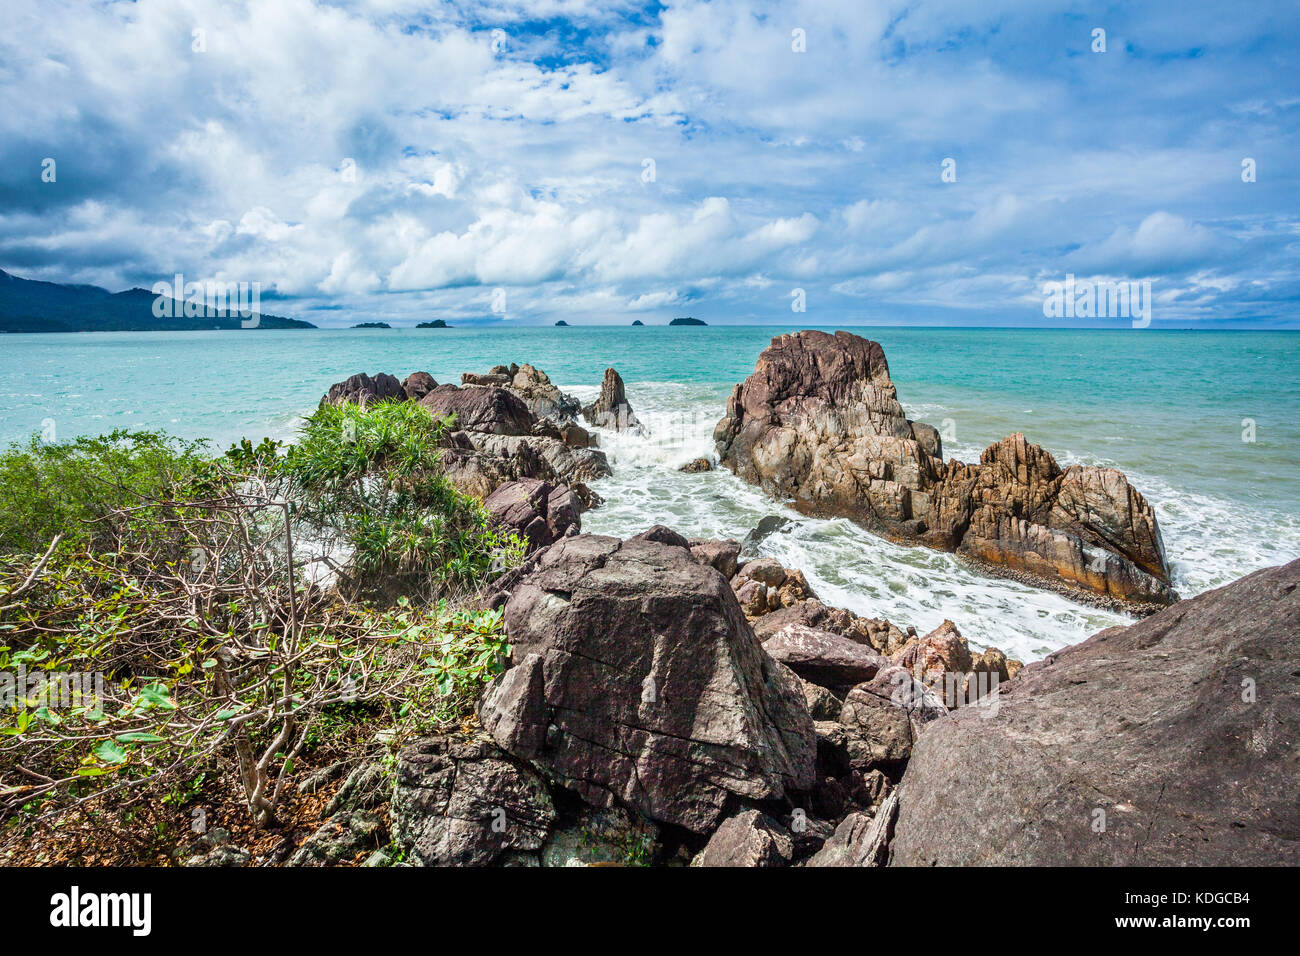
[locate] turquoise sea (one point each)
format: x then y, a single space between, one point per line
1171 408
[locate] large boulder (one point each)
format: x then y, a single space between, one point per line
637 680
363 389
484 409
611 408
543 399
819 423
417 385
541 512
1170 742
882 718
478 464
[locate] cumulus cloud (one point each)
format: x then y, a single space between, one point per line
387 158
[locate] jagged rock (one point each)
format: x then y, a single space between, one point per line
603 835
696 465
819 422
722 556
541 512
1171 742
611 409
417 385
543 399
823 658
478 464
883 717
636 680
748 839
362 389
341 838
860 840
822 704
482 409
767 527
459 800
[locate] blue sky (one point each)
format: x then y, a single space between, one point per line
600 161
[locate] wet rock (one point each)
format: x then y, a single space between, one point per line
611 409
819 423
768 526
697 465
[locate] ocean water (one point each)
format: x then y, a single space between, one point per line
1177 411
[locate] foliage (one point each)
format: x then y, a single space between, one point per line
47 489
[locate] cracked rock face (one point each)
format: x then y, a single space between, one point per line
637 680
1170 742
459 801
819 422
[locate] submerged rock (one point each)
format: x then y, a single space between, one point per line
819 422
637 681
1170 742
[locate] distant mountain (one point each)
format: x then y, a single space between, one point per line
688 321
27 305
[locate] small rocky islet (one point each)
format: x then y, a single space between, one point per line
683 701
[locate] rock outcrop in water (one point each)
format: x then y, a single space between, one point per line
1166 743
819 422
611 409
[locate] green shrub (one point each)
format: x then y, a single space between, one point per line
47 489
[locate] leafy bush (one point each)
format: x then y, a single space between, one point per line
48 489
370 479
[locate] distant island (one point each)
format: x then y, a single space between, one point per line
372 325
435 324
29 305
563 323
688 321
637 322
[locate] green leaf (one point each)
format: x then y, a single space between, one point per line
110 753
139 737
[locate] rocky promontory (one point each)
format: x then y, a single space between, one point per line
819 422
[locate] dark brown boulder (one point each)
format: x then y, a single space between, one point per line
1171 742
363 389
541 512
819 423
484 409
417 385
636 680
882 719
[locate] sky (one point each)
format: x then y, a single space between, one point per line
600 161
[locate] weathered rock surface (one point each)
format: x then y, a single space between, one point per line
417 385
363 389
458 800
541 512
605 835
636 680
819 422
611 408
860 839
882 718
751 839
478 464
696 465
824 658
480 408
1171 742
341 839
